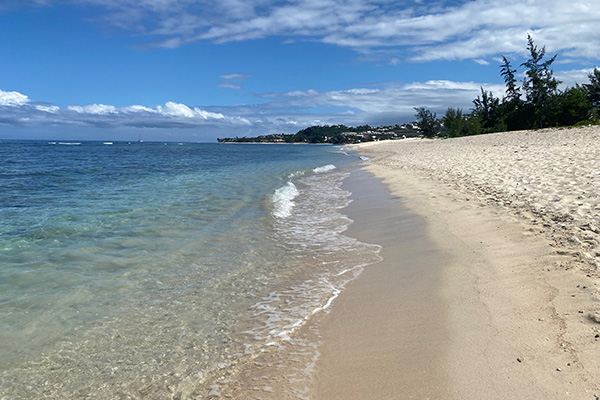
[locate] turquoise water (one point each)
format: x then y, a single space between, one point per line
147 269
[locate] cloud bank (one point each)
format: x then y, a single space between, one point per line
17 109
417 31
279 112
288 112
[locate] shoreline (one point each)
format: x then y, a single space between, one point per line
519 289
383 335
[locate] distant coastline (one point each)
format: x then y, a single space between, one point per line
336 134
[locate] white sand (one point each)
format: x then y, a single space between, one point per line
554 174
517 215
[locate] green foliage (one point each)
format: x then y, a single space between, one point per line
514 115
472 125
453 121
486 108
511 112
593 88
427 122
539 83
569 107
335 134
318 134
513 93
459 124
586 122
544 105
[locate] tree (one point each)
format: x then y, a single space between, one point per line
512 113
593 88
472 125
513 93
427 122
539 83
569 107
453 121
486 107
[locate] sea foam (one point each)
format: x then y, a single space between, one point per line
325 168
283 200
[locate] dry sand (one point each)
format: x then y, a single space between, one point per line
513 310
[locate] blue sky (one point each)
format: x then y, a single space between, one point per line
196 70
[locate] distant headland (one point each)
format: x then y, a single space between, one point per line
335 134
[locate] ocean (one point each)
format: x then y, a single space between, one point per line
169 271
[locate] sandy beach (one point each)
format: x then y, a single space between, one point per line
489 284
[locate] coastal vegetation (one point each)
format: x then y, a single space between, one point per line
534 103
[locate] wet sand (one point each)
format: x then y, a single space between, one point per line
493 290
386 334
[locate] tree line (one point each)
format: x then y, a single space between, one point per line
334 134
312 134
534 103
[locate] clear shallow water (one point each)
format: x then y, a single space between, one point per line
147 270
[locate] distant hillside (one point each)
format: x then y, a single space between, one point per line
335 134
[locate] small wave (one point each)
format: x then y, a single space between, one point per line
70 143
282 322
364 158
296 174
283 200
334 294
342 150
325 168
108 143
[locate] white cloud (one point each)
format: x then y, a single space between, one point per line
176 110
48 109
481 61
137 108
181 110
397 100
170 109
18 110
572 77
361 91
231 78
230 86
304 93
99 109
421 31
12 99
235 77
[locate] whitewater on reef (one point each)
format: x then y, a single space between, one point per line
157 271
